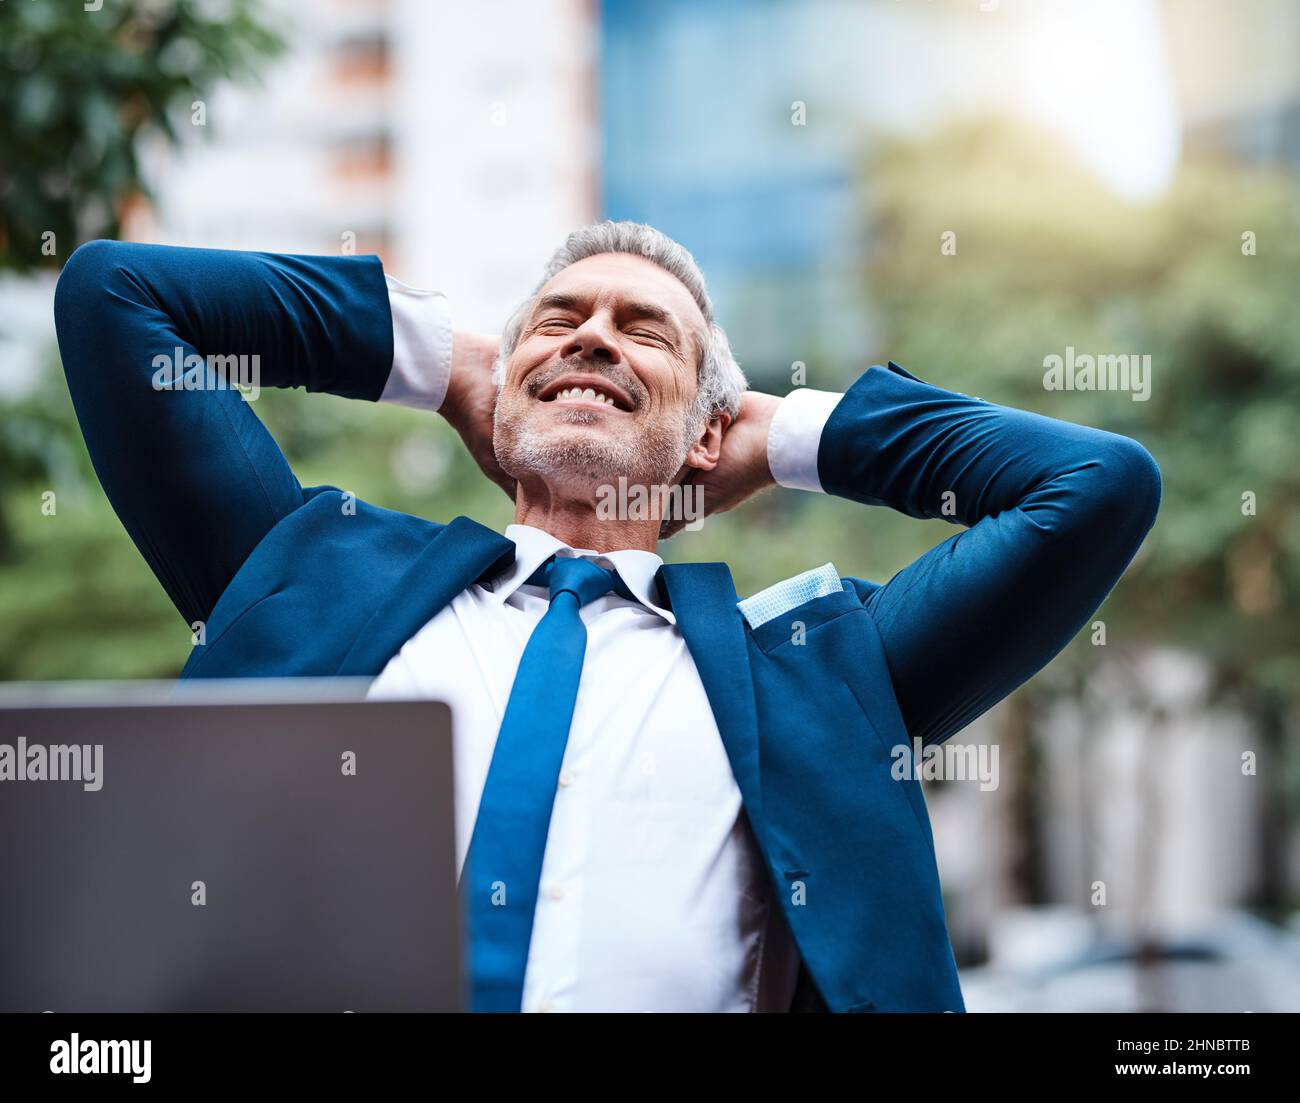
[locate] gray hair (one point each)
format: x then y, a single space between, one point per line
721 383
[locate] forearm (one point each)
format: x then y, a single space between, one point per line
898 442
321 323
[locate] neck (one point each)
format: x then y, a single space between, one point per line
575 519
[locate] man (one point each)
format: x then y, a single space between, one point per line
667 798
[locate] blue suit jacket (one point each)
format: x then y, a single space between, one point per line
294 581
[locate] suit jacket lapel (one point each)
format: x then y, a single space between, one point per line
701 595
703 599
461 553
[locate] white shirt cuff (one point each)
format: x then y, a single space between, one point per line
421 347
796 435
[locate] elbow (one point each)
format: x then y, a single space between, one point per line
1143 484
1126 488
83 281
83 304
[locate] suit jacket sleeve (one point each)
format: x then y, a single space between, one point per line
193 474
1055 512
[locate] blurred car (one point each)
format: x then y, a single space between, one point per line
1046 960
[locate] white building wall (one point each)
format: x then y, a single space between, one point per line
495 135
488 112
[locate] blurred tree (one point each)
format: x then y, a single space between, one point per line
1047 258
78 87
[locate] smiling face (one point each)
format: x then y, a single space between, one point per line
603 379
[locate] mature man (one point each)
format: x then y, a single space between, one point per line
666 798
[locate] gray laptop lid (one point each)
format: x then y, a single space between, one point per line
227 850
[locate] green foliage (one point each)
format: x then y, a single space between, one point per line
78 88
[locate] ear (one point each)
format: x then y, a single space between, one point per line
704 453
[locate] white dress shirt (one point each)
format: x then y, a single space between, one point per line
653 892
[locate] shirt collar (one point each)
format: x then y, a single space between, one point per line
534 546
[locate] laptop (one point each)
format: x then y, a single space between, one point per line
226 846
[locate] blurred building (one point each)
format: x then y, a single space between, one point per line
457 141
1236 77
729 126
744 130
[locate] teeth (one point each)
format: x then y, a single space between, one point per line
590 394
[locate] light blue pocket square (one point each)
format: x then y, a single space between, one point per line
775 600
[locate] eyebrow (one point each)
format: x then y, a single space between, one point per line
641 310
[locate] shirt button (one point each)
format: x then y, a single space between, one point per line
556 892
566 779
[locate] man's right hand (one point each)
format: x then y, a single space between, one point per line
471 401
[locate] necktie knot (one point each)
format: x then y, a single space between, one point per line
582 578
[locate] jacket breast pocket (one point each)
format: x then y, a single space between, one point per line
790 625
827 657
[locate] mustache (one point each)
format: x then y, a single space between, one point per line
544 377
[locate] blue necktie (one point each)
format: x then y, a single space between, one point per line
503 865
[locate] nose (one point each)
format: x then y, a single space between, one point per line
594 340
